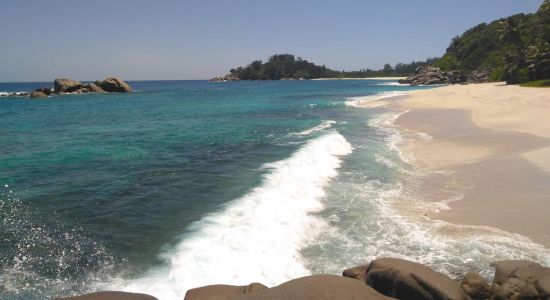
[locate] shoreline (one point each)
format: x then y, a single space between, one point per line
362 78
488 147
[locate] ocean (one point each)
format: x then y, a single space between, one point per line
188 183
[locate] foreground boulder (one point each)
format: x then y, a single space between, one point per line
222 292
317 287
359 272
114 85
521 279
61 85
408 280
475 286
428 75
111 296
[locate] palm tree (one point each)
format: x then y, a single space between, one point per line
509 32
545 6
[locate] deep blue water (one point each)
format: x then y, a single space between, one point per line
184 183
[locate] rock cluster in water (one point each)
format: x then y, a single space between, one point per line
382 279
228 77
69 86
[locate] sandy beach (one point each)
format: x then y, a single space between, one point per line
493 143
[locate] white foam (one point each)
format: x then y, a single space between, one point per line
358 101
322 126
257 237
393 84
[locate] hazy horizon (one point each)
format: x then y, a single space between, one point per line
140 40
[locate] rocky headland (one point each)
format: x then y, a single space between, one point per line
228 77
63 86
381 279
428 75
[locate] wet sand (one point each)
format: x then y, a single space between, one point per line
493 142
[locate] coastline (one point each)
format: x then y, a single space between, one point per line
362 78
489 147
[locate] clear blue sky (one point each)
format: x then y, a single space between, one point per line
136 39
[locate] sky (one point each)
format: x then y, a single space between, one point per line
187 39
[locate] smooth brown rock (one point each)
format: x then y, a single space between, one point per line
111 296
37 94
476 287
408 280
506 268
521 279
94 88
114 85
318 287
66 85
222 292
359 272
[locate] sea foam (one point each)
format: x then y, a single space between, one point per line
258 237
358 101
324 125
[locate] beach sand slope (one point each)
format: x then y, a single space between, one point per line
495 141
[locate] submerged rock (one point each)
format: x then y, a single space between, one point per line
111 296
408 280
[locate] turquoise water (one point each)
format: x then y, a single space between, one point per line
187 183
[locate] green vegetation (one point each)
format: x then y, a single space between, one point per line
516 49
286 66
538 83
